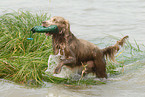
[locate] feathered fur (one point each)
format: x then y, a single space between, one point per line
78 51
112 50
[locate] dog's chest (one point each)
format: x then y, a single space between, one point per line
60 48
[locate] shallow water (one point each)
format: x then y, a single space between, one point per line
91 20
131 84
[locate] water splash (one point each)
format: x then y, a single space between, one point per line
65 72
53 61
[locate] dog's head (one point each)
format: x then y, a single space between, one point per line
62 24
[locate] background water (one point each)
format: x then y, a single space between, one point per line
91 20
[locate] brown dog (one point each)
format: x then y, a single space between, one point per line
78 51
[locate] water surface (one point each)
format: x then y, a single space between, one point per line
91 20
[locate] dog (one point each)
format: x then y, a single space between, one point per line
78 52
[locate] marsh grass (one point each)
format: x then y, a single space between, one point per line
25 61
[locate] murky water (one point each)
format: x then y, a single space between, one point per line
131 84
91 20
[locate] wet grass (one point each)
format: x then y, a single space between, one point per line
25 61
69 81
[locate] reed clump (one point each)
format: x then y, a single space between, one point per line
23 60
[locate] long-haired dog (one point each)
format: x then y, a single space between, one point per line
79 51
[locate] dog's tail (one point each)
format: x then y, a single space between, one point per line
112 50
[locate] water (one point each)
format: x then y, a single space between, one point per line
91 20
129 85
53 60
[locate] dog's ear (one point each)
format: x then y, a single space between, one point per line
65 27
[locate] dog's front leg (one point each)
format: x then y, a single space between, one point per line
69 62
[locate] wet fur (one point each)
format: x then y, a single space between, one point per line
79 52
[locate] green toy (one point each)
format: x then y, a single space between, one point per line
41 29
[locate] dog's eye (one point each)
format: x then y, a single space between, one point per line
54 19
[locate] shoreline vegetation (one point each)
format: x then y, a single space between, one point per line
25 61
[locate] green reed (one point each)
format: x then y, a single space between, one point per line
23 60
